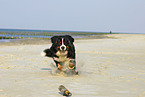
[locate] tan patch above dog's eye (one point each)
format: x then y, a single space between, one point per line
67 47
58 48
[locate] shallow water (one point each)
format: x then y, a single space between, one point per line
104 71
5 40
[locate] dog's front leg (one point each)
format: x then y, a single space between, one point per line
72 66
57 63
59 66
47 52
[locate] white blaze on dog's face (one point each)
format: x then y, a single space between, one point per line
62 53
62 43
63 47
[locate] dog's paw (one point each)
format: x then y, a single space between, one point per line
43 54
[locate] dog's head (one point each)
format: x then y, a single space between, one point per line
62 43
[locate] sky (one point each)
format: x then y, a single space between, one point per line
126 16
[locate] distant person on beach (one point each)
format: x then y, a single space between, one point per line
110 32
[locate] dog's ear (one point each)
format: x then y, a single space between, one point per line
70 38
54 39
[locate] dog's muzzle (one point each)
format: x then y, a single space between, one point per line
63 48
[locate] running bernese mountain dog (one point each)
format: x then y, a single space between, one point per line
63 53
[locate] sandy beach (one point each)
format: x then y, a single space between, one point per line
113 67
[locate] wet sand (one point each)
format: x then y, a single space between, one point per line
108 68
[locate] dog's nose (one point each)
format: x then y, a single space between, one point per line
62 47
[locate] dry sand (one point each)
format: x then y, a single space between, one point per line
108 68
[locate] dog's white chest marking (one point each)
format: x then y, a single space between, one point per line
62 59
62 56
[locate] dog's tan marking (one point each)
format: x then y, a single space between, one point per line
59 66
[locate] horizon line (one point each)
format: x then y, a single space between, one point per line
80 31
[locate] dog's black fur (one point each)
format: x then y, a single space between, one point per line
62 50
